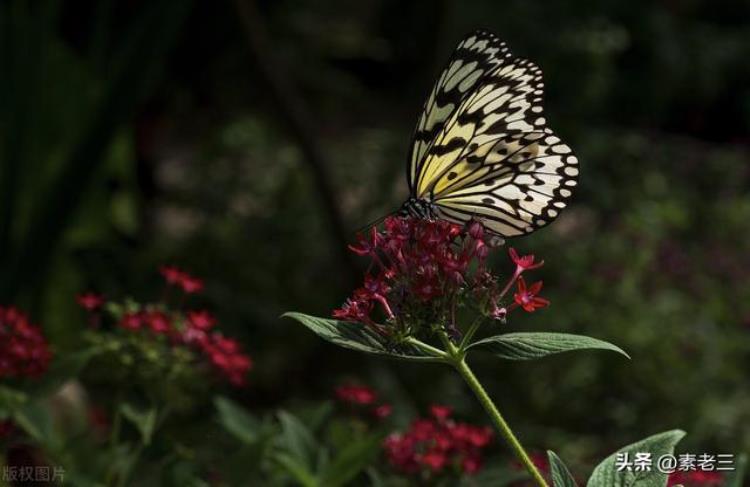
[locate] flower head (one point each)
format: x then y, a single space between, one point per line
524 263
695 478
174 276
382 411
24 351
201 320
432 444
423 272
528 298
90 301
355 394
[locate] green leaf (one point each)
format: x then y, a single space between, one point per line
349 463
297 439
533 345
735 478
356 336
296 470
144 421
606 474
61 370
36 421
11 400
237 421
561 476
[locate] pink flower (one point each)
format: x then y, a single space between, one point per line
158 322
696 478
191 284
90 301
201 320
431 444
357 395
227 358
24 351
173 275
527 297
524 263
440 412
434 459
383 411
367 246
131 321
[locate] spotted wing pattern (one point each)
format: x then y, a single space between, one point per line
494 159
474 57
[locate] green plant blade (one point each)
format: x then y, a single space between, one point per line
561 476
238 422
355 336
606 473
298 471
533 345
298 440
144 421
350 462
735 478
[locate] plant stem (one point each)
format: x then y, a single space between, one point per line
435 352
459 363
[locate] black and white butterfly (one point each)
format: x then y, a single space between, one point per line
482 148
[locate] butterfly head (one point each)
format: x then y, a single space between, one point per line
417 208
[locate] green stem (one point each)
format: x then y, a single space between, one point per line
470 334
435 352
459 363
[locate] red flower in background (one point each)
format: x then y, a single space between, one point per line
174 276
191 284
440 412
192 329
24 351
696 478
90 301
158 322
383 411
131 321
357 395
227 358
202 320
432 444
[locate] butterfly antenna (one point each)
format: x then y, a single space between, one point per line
375 222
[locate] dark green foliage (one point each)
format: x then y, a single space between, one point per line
138 133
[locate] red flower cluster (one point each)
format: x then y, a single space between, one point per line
177 277
426 269
433 444
358 395
696 478
353 394
193 328
24 351
90 301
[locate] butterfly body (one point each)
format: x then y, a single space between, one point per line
482 149
418 208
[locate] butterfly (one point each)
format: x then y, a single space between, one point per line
482 149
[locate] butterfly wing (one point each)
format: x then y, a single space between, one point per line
494 159
526 190
475 56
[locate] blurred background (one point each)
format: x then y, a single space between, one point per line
248 141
